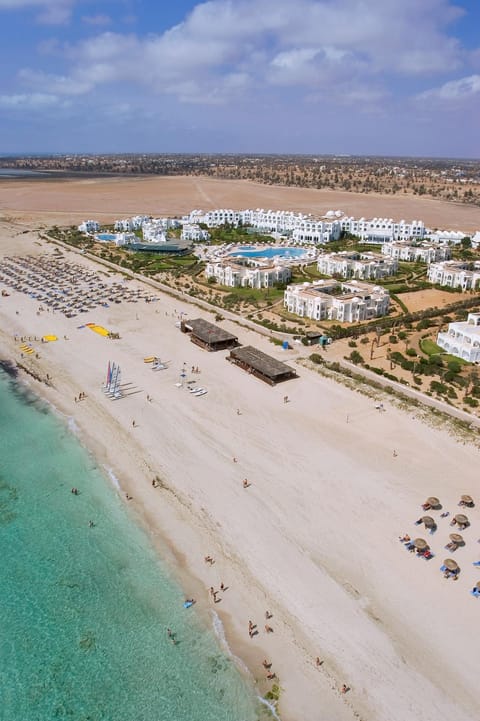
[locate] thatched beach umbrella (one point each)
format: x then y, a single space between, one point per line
451 564
467 500
428 521
432 501
456 538
461 519
477 585
420 543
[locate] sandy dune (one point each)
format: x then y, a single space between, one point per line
314 539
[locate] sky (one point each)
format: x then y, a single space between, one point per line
367 77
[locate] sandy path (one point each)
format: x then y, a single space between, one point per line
70 201
314 539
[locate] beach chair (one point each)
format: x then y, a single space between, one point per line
443 568
428 555
475 593
476 563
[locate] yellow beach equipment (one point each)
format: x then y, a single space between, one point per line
98 329
150 359
49 338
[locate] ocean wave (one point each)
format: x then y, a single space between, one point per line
72 426
219 631
271 707
220 634
113 478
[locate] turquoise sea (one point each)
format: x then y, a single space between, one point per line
84 610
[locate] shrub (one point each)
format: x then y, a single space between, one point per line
364 340
470 401
402 335
352 344
437 387
316 358
393 339
355 357
454 366
411 352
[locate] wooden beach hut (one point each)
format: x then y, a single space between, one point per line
207 335
261 365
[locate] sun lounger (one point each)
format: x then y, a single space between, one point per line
201 392
476 563
196 389
443 568
475 593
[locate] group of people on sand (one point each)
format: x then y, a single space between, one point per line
81 397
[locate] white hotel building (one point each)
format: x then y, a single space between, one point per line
454 274
357 302
462 339
383 230
89 226
423 252
363 266
238 274
192 231
303 228
317 232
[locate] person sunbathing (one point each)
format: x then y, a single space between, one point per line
405 538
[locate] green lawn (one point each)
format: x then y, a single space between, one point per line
429 347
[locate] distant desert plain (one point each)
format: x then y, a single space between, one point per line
105 199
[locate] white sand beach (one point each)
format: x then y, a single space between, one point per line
313 539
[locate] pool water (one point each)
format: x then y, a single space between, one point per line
271 252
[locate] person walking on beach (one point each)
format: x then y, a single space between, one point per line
246 483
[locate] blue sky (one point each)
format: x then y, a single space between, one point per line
392 77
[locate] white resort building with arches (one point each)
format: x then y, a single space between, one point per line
462 339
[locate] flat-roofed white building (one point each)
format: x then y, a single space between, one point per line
320 301
462 339
447 237
133 223
476 239
381 230
455 274
89 226
192 231
239 274
316 231
423 252
363 266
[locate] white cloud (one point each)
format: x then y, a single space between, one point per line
52 12
31 101
455 90
226 48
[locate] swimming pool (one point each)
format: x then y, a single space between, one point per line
106 236
271 252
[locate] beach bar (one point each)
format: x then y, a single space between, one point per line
207 335
261 365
